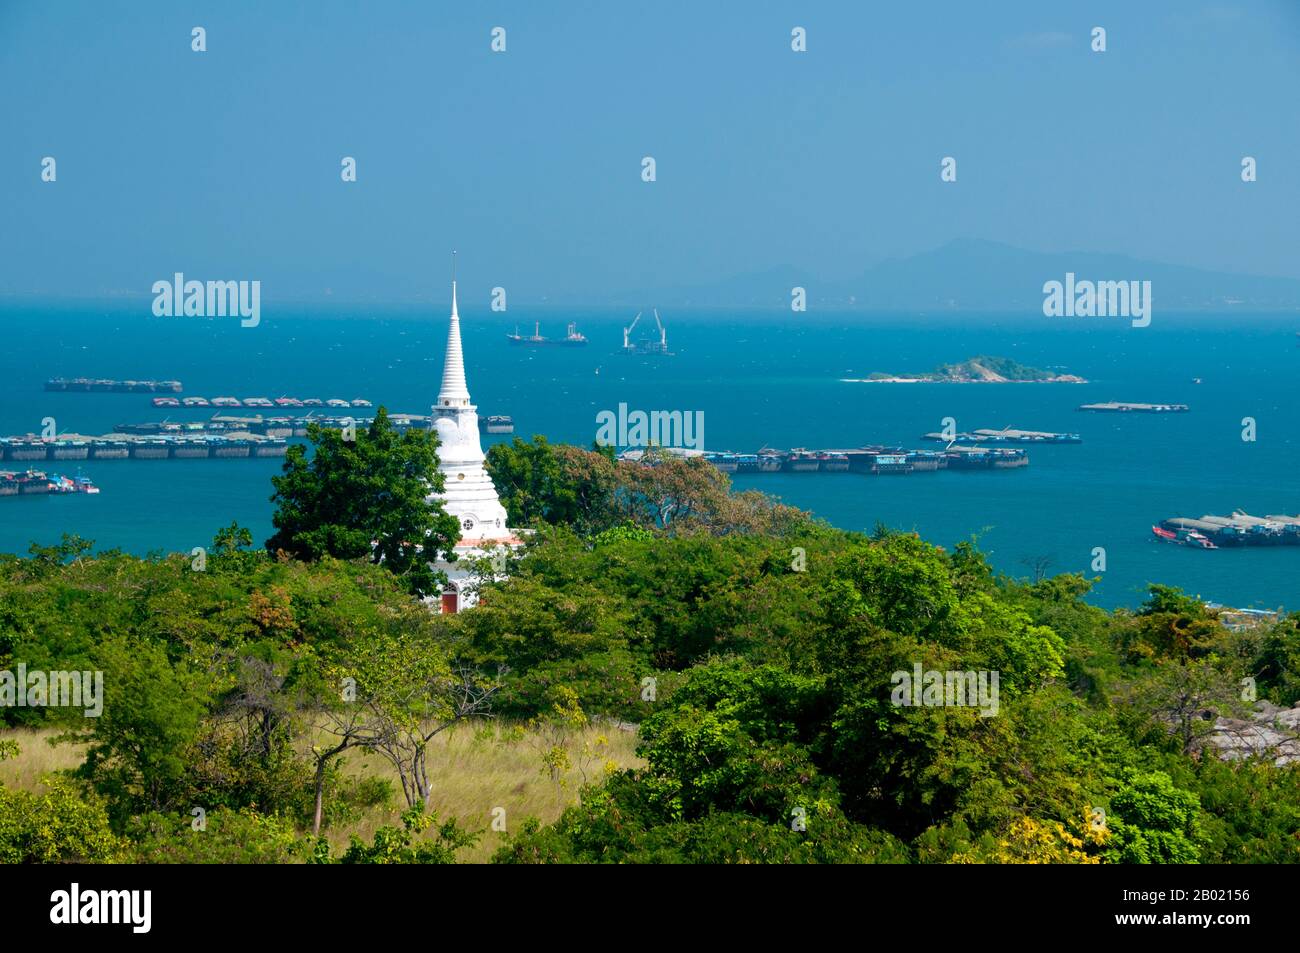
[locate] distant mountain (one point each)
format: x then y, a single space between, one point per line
978 275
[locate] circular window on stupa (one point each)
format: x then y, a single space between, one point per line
460 476
467 524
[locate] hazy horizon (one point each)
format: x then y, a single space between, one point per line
225 164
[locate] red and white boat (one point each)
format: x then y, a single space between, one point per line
1183 537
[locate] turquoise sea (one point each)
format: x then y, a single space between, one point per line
760 378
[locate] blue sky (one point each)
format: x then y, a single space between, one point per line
226 164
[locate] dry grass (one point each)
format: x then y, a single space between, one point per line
475 768
37 757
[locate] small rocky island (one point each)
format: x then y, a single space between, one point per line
977 370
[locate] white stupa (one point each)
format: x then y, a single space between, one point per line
468 493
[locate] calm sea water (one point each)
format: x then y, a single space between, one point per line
760 379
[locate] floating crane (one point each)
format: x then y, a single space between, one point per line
646 345
628 330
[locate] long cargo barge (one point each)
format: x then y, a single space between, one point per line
872 460
1006 435
103 386
1239 529
1123 407
39 483
286 403
231 445
277 426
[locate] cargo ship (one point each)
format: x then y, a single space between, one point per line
571 339
101 386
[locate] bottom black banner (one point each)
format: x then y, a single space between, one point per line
305 903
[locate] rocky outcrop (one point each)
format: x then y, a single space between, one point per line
1270 732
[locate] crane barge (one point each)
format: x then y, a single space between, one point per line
646 345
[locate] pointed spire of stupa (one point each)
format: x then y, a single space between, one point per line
454 391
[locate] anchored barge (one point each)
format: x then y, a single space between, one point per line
142 447
1122 407
499 423
102 386
200 403
37 482
873 460
1006 435
1239 529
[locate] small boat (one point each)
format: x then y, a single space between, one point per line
337 402
1189 537
288 402
196 402
313 402
361 402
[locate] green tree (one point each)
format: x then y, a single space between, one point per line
404 845
61 825
138 747
1153 822
366 499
